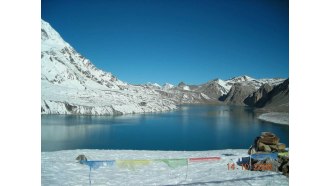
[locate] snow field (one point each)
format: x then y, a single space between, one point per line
61 168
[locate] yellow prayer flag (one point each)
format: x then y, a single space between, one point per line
132 164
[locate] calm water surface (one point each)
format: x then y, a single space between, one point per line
193 127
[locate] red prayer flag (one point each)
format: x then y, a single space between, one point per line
204 159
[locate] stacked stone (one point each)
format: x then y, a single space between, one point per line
266 143
269 142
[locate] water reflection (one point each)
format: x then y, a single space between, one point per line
195 127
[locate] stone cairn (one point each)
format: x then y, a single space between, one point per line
267 143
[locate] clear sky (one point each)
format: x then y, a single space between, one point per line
162 41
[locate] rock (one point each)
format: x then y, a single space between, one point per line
238 93
142 103
266 165
267 148
274 165
285 169
278 98
264 147
269 140
274 148
259 97
281 147
81 157
268 134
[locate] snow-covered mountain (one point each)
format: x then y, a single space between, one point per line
167 86
211 91
71 84
256 83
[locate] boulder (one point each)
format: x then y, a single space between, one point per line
268 134
274 165
266 165
285 169
264 147
274 148
281 147
81 157
269 140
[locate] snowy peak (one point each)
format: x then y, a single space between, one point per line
61 64
240 79
226 87
50 39
71 84
167 86
48 33
257 83
153 85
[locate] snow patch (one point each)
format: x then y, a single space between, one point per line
167 86
185 87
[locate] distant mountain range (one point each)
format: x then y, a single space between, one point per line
71 84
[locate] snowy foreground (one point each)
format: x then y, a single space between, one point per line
61 168
275 117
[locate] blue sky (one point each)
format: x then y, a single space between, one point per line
177 40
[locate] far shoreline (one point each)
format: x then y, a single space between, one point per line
281 118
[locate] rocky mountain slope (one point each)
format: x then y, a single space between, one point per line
71 84
232 91
238 93
277 99
259 97
271 98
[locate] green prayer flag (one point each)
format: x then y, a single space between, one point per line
174 163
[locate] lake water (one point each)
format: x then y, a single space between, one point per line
193 127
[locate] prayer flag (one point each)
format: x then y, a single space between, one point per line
132 164
174 163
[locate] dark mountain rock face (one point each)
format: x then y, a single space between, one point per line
260 97
181 84
213 90
238 93
272 99
278 98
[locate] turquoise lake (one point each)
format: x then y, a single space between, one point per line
190 127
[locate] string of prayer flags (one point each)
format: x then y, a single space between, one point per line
132 164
